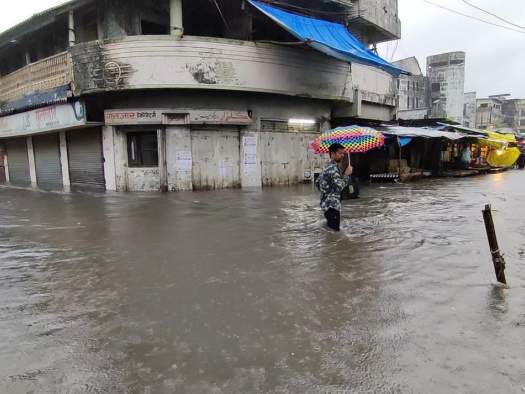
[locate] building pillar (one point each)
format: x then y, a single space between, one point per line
163 171
32 165
71 28
6 168
108 151
251 164
64 161
176 22
179 158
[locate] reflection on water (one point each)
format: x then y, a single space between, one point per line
246 292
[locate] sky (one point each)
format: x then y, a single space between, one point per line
495 57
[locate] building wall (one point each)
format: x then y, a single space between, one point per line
489 113
412 92
281 157
469 110
446 73
154 62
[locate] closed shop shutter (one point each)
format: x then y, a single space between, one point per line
216 158
47 161
18 162
86 166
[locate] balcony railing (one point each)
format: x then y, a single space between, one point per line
45 74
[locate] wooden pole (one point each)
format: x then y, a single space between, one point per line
497 258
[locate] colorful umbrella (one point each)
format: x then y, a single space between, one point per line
355 139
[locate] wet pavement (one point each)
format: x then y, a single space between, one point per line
246 292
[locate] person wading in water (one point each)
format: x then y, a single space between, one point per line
331 184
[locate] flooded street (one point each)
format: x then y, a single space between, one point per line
246 292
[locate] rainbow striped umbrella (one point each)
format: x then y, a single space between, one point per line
355 139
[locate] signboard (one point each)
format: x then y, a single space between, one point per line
169 117
55 117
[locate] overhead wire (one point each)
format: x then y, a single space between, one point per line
473 17
492 14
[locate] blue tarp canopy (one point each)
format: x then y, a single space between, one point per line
330 38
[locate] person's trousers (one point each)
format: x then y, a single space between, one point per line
333 219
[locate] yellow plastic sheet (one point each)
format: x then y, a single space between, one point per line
503 158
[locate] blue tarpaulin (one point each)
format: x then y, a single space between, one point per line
404 141
330 38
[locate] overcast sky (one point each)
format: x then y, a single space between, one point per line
495 57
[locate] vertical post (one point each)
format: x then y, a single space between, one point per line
399 158
64 162
497 258
6 169
163 169
31 158
71 29
28 58
108 152
176 22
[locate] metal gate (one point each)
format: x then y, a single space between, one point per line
86 165
216 158
47 161
18 162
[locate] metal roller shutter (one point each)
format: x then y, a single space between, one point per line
216 158
86 166
47 161
18 162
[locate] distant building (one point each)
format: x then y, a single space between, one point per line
489 112
446 74
469 110
412 91
513 111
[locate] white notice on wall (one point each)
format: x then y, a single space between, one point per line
250 155
183 161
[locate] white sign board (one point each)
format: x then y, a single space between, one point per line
55 117
123 117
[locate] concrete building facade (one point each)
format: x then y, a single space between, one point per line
412 91
469 110
150 95
446 73
489 112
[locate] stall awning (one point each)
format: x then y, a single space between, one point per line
330 38
421 132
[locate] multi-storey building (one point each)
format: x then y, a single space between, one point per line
446 73
172 95
412 91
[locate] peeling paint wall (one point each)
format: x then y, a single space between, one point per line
216 158
179 159
143 179
286 158
153 62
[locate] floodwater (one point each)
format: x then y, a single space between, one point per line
247 292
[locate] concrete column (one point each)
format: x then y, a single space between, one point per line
71 27
108 151
251 168
64 161
163 171
31 158
179 159
176 22
6 168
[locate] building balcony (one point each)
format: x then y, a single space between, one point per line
163 62
46 74
375 21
